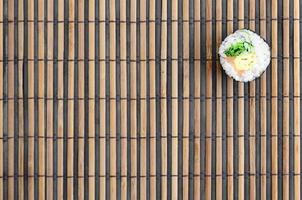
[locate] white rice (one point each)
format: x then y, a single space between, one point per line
262 52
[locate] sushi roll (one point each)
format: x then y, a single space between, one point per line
244 55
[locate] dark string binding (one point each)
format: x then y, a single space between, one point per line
119 60
224 21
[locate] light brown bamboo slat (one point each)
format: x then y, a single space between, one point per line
60 114
208 133
197 66
20 102
102 92
263 108
49 106
163 102
186 85
230 128
81 114
70 104
241 192
219 72
41 103
274 113
133 95
143 102
124 108
30 87
10 94
112 81
174 101
252 115
152 101
92 82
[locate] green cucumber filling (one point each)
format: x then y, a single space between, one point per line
238 48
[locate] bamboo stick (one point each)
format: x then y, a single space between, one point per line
297 147
41 102
112 103
263 107
60 114
91 104
163 102
102 93
208 134
219 151
152 100
30 89
274 113
10 95
230 113
20 102
252 120
241 192
124 109
197 66
49 103
230 128
133 95
174 167
143 102
81 115
71 104
186 85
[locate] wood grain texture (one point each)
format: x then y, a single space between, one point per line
127 99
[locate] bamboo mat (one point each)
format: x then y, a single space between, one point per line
126 99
